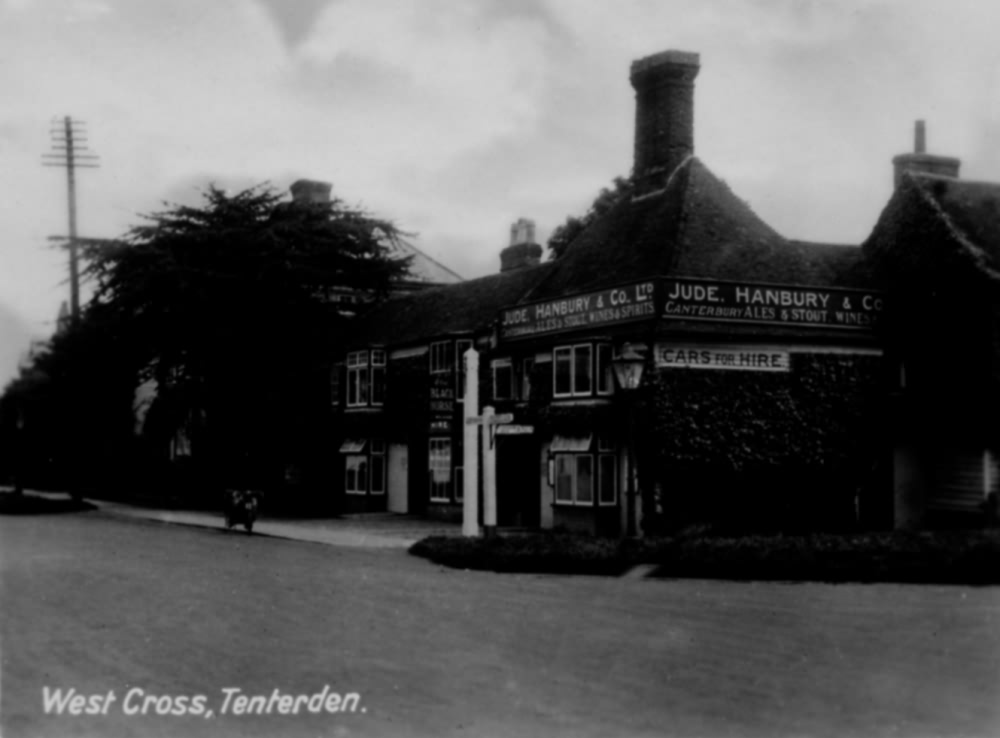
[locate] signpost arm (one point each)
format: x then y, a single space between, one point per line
470 447
489 472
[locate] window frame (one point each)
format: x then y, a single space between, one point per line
371 457
527 369
441 442
377 453
508 364
357 379
366 378
442 357
461 346
378 366
360 467
604 373
601 452
572 351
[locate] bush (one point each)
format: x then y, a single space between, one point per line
958 557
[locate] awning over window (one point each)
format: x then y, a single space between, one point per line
571 444
353 446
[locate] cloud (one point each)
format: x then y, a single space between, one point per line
447 80
294 19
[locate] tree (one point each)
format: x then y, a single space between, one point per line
228 308
607 198
67 415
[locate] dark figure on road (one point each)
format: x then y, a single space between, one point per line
240 507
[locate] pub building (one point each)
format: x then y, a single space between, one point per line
768 369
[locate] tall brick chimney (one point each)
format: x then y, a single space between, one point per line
309 191
664 115
522 251
921 162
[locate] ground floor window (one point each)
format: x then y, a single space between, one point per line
439 469
364 467
584 472
356 475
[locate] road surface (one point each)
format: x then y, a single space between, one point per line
138 609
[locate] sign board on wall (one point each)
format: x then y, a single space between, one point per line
589 310
815 307
442 401
739 358
683 298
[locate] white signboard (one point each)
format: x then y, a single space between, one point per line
491 420
515 430
739 358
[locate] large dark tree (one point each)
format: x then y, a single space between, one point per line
230 308
564 234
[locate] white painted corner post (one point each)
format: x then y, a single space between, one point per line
489 428
470 446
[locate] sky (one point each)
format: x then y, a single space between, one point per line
454 118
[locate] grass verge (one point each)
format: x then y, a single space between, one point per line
948 557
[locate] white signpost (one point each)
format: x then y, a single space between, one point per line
489 471
470 445
489 423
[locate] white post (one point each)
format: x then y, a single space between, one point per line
470 447
489 472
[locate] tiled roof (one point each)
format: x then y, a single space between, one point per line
423 268
695 227
971 211
468 306
933 222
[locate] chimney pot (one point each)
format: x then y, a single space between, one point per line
920 162
309 191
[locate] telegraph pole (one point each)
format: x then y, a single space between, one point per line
71 154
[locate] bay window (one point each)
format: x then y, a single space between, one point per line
584 475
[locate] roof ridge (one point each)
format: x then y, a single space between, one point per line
405 245
974 252
682 216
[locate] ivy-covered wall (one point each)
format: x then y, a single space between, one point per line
762 449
